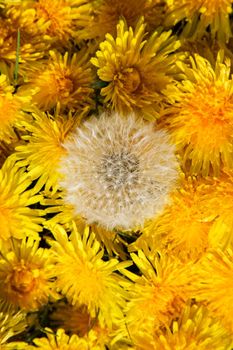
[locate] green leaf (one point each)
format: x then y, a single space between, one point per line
16 70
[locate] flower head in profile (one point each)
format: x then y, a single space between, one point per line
62 79
26 274
17 218
201 15
200 116
136 68
158 295
194 329
85 278
213 285
122 170
41 154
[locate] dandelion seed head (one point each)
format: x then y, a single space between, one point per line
118 171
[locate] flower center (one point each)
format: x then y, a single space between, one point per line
56 13
210 106
65 86
46 9
119 169
130 78
22 280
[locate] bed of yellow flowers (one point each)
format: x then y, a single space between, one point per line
116 174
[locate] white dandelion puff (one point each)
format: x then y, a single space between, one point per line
118 171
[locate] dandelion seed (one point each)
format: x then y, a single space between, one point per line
118 171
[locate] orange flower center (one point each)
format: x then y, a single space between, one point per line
65 86
210 104
130 78
209 112
22 280
57 13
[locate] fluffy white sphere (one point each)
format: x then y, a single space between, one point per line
118 171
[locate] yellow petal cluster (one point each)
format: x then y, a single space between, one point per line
132 66
96 282
200 116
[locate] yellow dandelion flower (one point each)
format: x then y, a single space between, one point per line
85 278
11 110
42 152
135 68
60 341
200 15
183 228
33 43
198 218
158 295
213 285
62 18
122 170
194 329
62 79
105 14
200 116
26 274
17 219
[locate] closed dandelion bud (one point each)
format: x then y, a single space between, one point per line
118 171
